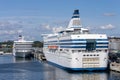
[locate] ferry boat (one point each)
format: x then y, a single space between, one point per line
75 48
22 48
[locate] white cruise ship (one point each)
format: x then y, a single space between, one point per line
75 48
22 48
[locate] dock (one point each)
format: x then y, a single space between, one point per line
38 54
115 66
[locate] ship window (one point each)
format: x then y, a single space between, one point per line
90 45
60 49
97 54
79 50
106 50
72 51
83 50
99 50
85 31
67 50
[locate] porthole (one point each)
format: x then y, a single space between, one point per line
79 50
84 55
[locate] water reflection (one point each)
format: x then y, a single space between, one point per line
50 72
59 74
114 75
30 69
18 59
6 59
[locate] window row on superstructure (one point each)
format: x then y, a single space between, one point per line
81 44
61 50
80 40
98 44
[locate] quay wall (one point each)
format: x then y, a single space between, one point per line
115 66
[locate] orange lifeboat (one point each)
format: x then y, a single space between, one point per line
52 47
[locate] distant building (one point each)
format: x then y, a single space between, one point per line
1 52
114 44
4 45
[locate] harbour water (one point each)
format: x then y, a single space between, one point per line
12 68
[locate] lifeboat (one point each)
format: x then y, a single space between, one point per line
52 47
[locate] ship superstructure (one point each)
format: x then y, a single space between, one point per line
75 48
22 48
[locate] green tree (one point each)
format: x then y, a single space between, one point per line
37 44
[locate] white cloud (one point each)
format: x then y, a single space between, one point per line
10 27
88 27
47 27
57 29
7 32
10 32
19 31
109 26
28 26
109 14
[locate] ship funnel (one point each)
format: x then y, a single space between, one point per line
20 38
75 20
76 14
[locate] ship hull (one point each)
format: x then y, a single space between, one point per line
22 53
78 69
22 48
77 61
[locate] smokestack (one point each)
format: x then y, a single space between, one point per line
75 20
76 14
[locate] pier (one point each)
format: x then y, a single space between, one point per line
114 53
115 66
38 54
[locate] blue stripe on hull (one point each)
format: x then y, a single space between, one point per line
82 46
72 46
77 69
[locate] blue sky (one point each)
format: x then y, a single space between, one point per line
31 18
